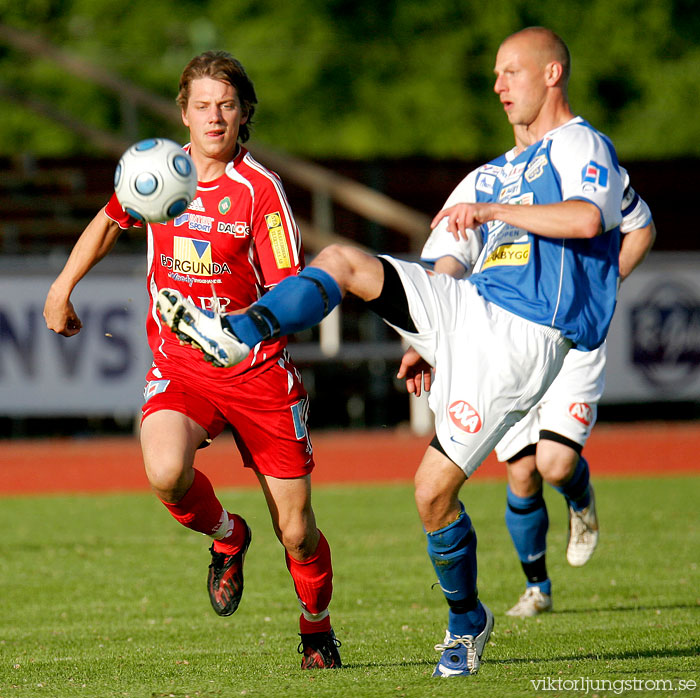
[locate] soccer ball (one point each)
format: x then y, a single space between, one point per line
155 180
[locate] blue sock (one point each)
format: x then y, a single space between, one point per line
545 586
527 522
576 490
452 550
296 303
244 328
470 622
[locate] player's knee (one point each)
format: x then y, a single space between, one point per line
333 259
558 470
434 506
333 251
426 498
168 481
524 482
560 476
352 269
298 540
523 478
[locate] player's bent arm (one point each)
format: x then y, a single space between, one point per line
574 218
94 243
635 247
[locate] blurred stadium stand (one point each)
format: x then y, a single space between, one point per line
46 202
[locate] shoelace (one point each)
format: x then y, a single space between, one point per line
319 646
466 640
218 560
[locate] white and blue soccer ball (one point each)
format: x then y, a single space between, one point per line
155 180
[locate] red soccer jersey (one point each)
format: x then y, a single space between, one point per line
237 239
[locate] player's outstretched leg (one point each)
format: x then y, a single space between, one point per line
202 329
296 303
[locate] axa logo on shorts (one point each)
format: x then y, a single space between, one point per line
464 416
581 412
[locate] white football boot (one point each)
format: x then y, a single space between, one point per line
202 329
583 534
461 654
533 602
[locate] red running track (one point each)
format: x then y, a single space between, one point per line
114 464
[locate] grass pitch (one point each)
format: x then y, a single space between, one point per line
105 596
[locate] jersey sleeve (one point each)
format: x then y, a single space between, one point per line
587 167
441 243
276 234
114 210
635 211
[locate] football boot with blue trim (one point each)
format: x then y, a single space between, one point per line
461 654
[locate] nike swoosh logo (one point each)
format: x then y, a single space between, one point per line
446 591
532 558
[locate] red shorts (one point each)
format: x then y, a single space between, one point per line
267 415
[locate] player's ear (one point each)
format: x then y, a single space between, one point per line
184 118
553 73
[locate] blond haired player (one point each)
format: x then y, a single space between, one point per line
236 241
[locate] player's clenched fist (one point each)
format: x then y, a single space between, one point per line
60 316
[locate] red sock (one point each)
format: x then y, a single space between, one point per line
201 511
313 582
235 539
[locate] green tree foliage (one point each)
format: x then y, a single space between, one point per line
361 78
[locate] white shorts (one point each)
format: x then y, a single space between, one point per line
569 407
491 366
